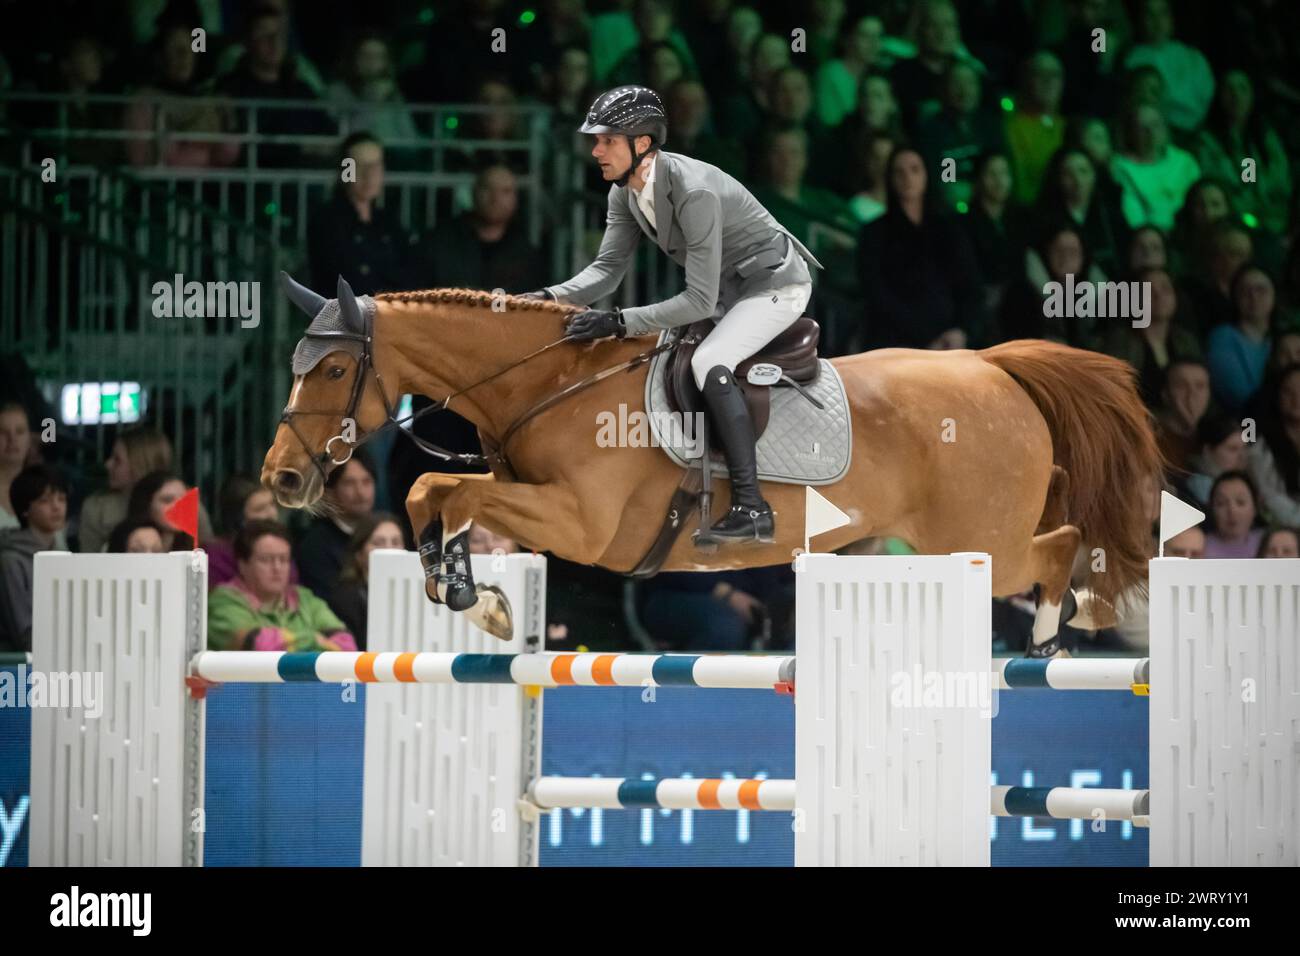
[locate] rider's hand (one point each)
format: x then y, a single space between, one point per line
595 324
541 295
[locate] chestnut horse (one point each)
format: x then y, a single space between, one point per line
1025 450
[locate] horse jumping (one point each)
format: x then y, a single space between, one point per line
1025 450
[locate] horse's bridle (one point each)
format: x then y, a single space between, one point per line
366 365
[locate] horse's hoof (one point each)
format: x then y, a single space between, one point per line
1091 612
491 612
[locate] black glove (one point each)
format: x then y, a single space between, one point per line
595 324
541 295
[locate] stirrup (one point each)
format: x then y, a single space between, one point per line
743 523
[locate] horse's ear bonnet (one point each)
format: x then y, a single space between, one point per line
331 325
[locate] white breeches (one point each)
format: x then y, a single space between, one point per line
748 326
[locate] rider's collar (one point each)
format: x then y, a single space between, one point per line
649 173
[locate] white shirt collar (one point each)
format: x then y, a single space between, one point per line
649 176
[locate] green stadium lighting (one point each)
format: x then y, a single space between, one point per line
1008 104
451 122
527 17
963 208
1250 220
426 15
271 208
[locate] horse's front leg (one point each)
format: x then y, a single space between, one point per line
537 515
424 506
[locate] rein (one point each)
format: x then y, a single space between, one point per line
365 366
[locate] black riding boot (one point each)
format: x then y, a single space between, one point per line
750 517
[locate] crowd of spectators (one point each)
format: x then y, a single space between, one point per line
947 161
300 582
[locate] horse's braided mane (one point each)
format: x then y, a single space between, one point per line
474 298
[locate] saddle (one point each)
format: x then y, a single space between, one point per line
789 360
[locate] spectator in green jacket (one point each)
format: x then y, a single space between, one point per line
1188 81
838 80
1153 173
1035 129
261 611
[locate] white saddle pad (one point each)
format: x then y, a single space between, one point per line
803 445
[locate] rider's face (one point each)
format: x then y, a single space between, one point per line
613 155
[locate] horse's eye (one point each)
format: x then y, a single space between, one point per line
336 371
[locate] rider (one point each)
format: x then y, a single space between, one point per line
743 269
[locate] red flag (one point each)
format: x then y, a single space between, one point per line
183 514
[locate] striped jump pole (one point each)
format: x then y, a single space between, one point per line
1078 673
734 671
683 793
1070 803
689 793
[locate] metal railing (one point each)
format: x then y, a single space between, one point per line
552 184
81 263
82 255
422 165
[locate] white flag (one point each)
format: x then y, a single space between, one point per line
1176 517
819 516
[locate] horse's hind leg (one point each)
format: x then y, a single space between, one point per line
1056 507
1052 555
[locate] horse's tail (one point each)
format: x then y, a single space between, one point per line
1102 437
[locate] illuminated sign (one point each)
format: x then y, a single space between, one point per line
102 403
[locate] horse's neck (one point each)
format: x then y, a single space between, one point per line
460 349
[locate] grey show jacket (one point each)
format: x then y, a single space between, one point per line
730 246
